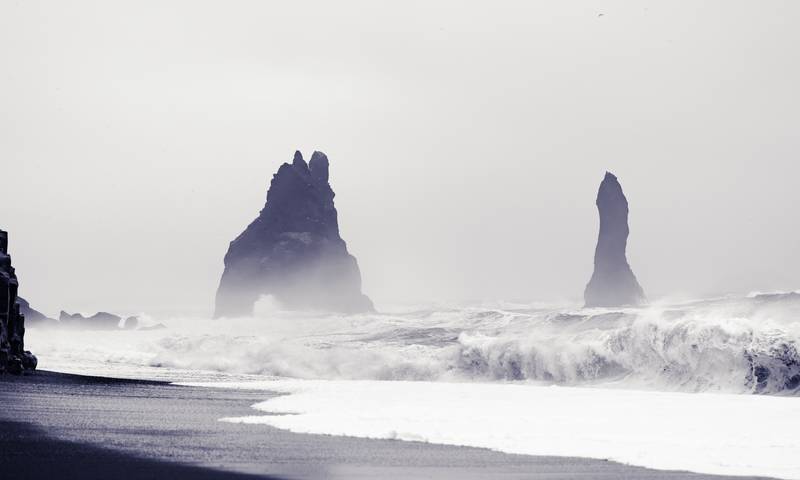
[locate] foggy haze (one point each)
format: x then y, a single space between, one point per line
467 141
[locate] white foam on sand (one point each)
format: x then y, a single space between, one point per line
705 433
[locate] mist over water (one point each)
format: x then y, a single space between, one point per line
466 140
466 144
733 344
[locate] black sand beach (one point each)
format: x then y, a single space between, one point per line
55 425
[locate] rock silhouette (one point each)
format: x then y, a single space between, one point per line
13 356
33 316
293 250
131 323
98 321
613 283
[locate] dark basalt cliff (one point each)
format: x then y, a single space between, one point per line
293 250
13 356
613 283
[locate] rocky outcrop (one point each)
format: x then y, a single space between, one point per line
613 283
32 316
98 321
131 323
293 251
13 356
76 321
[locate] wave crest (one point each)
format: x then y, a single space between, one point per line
744 345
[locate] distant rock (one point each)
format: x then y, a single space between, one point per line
130 323
34 317
613 283
98 321
13 356
293 250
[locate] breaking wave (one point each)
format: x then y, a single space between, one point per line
742 345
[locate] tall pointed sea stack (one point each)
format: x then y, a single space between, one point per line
613 283
293 250
13 356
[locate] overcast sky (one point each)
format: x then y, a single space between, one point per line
467 141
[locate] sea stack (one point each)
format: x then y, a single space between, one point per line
13 356
293 250
613 283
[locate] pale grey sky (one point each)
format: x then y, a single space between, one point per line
467 141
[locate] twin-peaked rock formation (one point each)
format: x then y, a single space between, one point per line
13 356
293 251
613 283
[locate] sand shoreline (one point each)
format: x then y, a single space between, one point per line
55 425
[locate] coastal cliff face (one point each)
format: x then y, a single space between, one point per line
293 250
33 316
613 283
13 356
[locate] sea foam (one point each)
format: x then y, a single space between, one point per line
501 377
706 433
734 345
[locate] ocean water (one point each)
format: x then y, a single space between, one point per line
733 345
709 386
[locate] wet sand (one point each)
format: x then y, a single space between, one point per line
55 425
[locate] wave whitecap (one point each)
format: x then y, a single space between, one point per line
741 345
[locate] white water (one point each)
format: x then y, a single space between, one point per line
737 345
707 433
502 377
